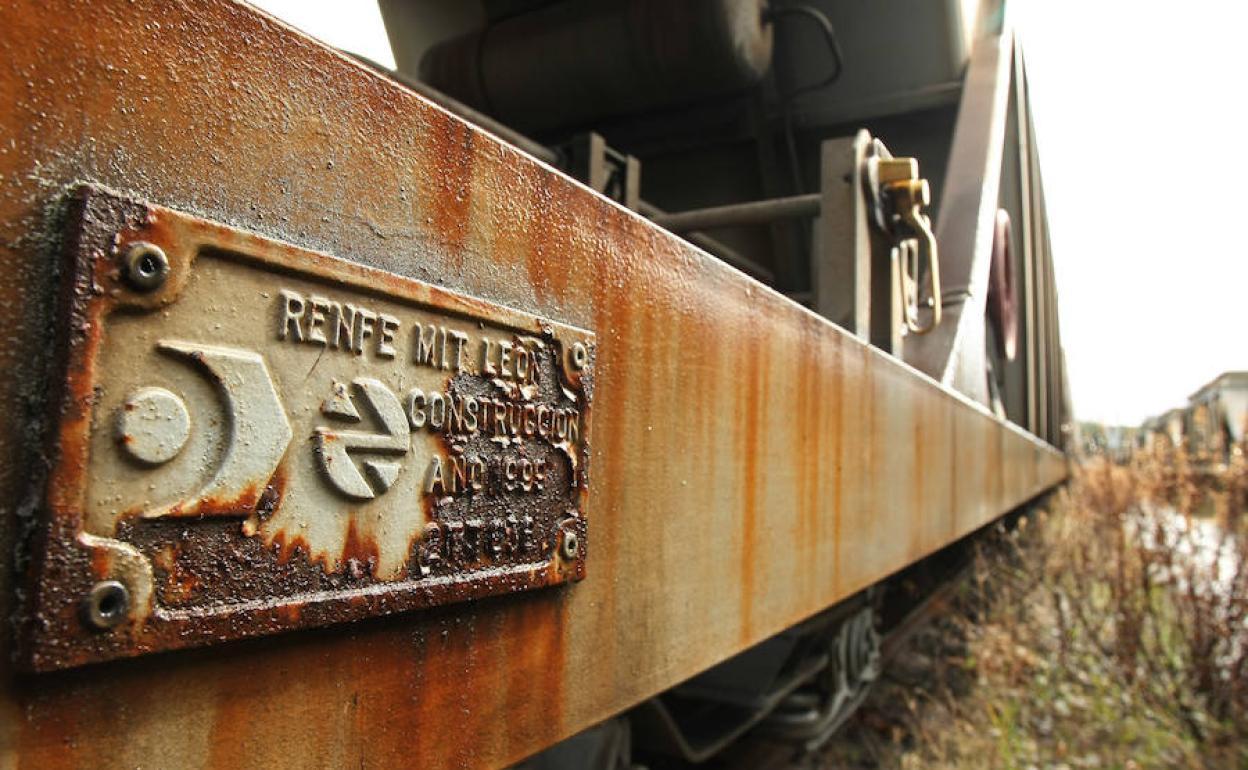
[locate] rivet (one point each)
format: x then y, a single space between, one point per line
108 604
146 266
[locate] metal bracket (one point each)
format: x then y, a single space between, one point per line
898 197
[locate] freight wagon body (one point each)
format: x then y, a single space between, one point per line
579 390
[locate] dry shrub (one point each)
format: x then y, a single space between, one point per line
1140 574
1152 566
1111 630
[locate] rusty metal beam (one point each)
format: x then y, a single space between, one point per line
751 463
475 117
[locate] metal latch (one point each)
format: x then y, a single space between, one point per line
899 196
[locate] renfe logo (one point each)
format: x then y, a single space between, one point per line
334 447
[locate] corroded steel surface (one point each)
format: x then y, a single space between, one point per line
751 463
254 437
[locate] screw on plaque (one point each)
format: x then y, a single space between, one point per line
580 355
107 604
146 266
571 545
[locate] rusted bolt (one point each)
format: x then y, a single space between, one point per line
571 545
580 356
108 604
146 265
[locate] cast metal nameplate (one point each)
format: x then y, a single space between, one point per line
255 437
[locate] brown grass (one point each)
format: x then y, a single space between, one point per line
1108 630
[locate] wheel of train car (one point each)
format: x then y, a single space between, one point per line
1002 289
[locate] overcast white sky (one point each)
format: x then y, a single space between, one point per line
353 25
1139 113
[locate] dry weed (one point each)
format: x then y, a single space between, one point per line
1109 630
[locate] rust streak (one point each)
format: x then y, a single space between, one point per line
545 236
449 197
836 358
753 407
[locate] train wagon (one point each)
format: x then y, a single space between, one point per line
608 382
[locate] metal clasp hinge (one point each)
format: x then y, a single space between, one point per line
899 197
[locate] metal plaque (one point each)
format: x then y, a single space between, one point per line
256 437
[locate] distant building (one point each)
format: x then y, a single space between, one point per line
1216 415
1117 442
1166 431
1211 427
